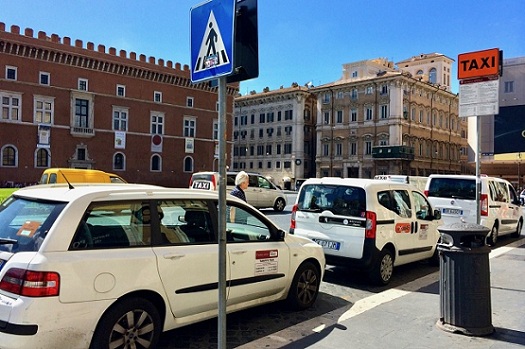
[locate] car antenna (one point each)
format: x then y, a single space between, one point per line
63 175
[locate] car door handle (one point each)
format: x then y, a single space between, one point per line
173 256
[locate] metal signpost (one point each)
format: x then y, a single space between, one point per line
478 75
211 41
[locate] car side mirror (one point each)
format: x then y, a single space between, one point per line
437 214
281 234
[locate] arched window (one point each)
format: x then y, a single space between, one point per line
119 161
42 157
156 163
432 76
188 164
419 73
9 156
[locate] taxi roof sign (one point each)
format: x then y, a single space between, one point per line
479 64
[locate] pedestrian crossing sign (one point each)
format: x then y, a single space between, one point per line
211 39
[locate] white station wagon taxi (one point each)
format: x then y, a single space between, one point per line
367 224
114 265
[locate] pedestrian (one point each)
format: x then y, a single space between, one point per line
242 180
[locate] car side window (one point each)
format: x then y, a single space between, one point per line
402 203
264 183
422 206
253 182
243 226
383 197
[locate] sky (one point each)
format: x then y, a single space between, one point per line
302 41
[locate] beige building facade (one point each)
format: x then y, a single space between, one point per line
381 119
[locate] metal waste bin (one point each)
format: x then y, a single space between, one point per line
464 280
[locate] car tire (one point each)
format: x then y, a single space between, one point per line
384 268
517 233
493 236
115 326
305 287
279 205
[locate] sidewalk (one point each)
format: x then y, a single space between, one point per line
406 318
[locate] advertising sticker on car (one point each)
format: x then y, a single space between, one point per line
331 245
266 262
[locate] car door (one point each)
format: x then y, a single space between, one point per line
267 192
514 209
425 235
188 270
253 192
259 259
405 224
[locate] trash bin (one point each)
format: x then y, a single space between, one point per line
464 280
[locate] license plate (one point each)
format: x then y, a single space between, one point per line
454 211
331 245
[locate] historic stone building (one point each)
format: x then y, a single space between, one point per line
274 134
66 104
381 119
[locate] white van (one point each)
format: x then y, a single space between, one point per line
367 224
455 197
418 181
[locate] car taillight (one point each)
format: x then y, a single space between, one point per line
213 182
426 193
371 225
484 205
31 283
292 219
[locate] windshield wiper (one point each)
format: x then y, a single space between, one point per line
5 241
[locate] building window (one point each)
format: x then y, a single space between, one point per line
354 74
326 98
369 90
277 164
119 162
383 142
216 130
384 111
326 149
340 95
262 118
288 114
82 84
288 130
43 110
509 87
353 115
157 97
121 90
81 119
353 94
278 149
189 102
269 149
9 156
157 123
368 147
421 116
326 118
11 72
432 76
369 114
287 164
189 127
384 89
120 119
156 163
269 164
353 148
288 148
10 106
338 149
339 118
188 164
42 158
45 78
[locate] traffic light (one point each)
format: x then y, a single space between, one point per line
246 42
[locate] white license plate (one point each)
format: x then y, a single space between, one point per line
331 245
453 211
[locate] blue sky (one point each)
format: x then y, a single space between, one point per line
299 41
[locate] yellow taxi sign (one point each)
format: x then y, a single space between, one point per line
479 64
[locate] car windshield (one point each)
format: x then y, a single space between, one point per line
340 200
453 188
25 223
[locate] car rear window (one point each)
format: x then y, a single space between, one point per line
340 200
24 223
458 188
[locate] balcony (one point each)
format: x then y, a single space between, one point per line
400 152
82 132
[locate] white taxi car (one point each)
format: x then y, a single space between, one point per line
114 265
367 224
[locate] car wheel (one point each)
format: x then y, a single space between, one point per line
131 323
517 233
279 205
493 237
384 268
305 287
